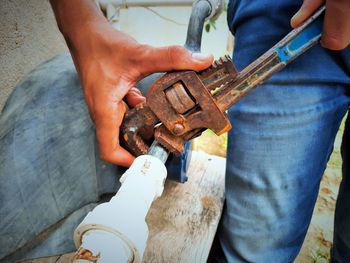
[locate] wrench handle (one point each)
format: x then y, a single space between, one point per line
290 47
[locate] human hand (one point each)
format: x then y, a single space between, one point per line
336 27
109 64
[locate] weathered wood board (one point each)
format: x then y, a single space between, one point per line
184 220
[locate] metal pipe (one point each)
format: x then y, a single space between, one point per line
158 151
116 231
200 12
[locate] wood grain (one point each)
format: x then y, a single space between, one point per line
184 220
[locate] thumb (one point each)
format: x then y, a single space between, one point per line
134 97
172 58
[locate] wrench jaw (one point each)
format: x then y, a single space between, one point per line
184 102
179 106
175 144
137 129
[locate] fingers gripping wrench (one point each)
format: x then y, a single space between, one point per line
181 104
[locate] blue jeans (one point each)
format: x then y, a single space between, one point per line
281 140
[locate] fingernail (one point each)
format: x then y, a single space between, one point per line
295 15
294 19
201 56
133 89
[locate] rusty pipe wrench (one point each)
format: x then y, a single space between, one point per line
181 104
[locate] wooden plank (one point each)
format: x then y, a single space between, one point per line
183 222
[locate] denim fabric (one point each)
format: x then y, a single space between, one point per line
258 25
282 137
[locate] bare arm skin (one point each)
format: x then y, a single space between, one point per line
336 28
109 63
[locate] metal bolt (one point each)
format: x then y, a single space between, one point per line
178 128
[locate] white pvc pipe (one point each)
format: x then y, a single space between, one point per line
116 231
102 245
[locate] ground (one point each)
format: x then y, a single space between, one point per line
319 237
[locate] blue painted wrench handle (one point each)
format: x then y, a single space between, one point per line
301 39
290 47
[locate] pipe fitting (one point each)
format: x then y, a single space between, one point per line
118 228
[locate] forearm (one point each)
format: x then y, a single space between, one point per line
75 18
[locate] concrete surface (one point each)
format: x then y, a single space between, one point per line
28 36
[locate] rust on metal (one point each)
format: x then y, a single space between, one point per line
137 129
179 99
86 254
173 143
179 107
194 87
